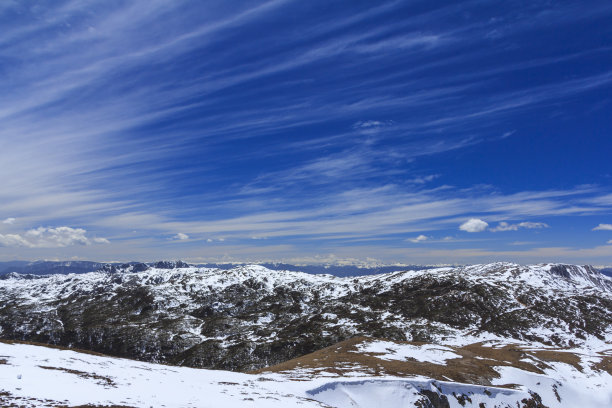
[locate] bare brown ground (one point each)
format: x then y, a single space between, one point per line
475 366
53 346
605 364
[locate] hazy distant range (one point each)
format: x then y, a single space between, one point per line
66 267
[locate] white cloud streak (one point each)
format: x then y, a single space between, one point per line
504 226
50 238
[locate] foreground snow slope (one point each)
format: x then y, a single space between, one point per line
250 317
52 376
37 376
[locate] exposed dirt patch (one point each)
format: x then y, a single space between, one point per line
99 378
605 364
53 346
558 356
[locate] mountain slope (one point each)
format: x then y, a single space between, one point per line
250 317
36 376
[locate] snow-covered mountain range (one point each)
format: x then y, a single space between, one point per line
250 317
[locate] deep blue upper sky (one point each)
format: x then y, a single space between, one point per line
306 131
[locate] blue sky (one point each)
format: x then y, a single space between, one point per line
358 131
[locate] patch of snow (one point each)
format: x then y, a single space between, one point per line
386 350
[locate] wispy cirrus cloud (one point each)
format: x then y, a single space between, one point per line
372 212
420 238
125 119
504 226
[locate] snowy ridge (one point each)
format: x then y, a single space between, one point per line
543 276
587 274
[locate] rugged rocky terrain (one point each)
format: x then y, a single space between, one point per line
250 317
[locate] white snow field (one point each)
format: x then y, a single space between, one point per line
38 376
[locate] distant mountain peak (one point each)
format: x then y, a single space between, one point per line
170 265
